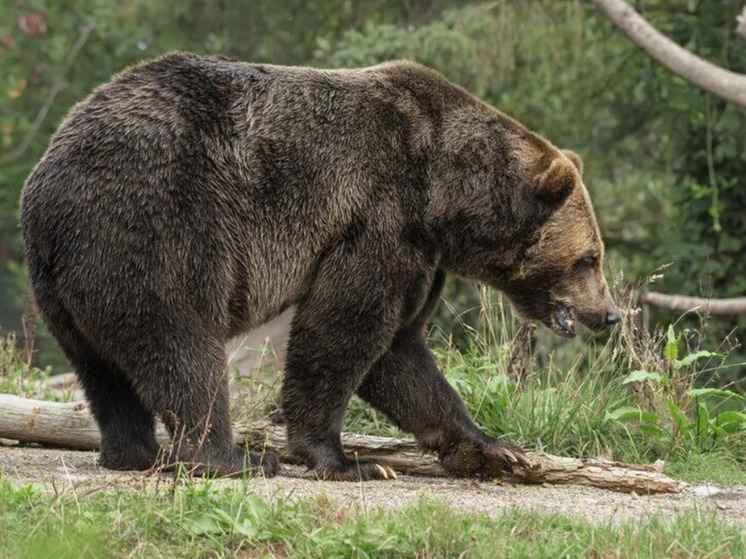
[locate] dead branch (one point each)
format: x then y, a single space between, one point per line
735 305
71 426
404 456
727 85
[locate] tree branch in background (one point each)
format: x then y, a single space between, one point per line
736 305
42 114
741 29
723 83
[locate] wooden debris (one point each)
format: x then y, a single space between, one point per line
70 425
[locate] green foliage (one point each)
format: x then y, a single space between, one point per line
555 411
704 429
203 521
711 160
705 236
709 467
690 419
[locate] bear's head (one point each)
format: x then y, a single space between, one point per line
510 210
559 279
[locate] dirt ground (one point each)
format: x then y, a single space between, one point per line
77 473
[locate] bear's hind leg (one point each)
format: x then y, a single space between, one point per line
188 388
127 427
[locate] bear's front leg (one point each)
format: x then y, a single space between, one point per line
408 387
340 329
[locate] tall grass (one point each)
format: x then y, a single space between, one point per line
17 375
629 394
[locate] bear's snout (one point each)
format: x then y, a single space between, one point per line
612 316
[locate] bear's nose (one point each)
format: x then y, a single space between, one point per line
612 316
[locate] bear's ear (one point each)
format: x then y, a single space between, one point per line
575 158
556 180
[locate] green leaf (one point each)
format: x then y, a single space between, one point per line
640 376
696 392
679 417
732 416
671 351
203 524
630 413
245 528
652 430
692 357
732 421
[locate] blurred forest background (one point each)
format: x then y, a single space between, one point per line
665 162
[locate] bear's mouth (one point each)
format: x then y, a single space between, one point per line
563 321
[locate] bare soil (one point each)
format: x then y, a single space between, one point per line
64 471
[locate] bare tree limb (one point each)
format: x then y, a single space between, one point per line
735 305
741 29
405 456
723 83
71 425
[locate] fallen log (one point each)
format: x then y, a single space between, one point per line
70 425
404 456
734 305
64 425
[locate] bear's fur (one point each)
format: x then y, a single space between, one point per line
191 199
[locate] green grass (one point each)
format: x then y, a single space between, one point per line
197 520
713 467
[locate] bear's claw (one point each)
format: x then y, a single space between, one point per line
487 457
386 472
357 471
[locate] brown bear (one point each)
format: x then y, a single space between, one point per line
191 199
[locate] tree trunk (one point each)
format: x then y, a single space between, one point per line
718 81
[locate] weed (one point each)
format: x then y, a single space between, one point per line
18 376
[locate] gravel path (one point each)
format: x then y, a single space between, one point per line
77 472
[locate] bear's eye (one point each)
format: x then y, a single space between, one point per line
588 261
